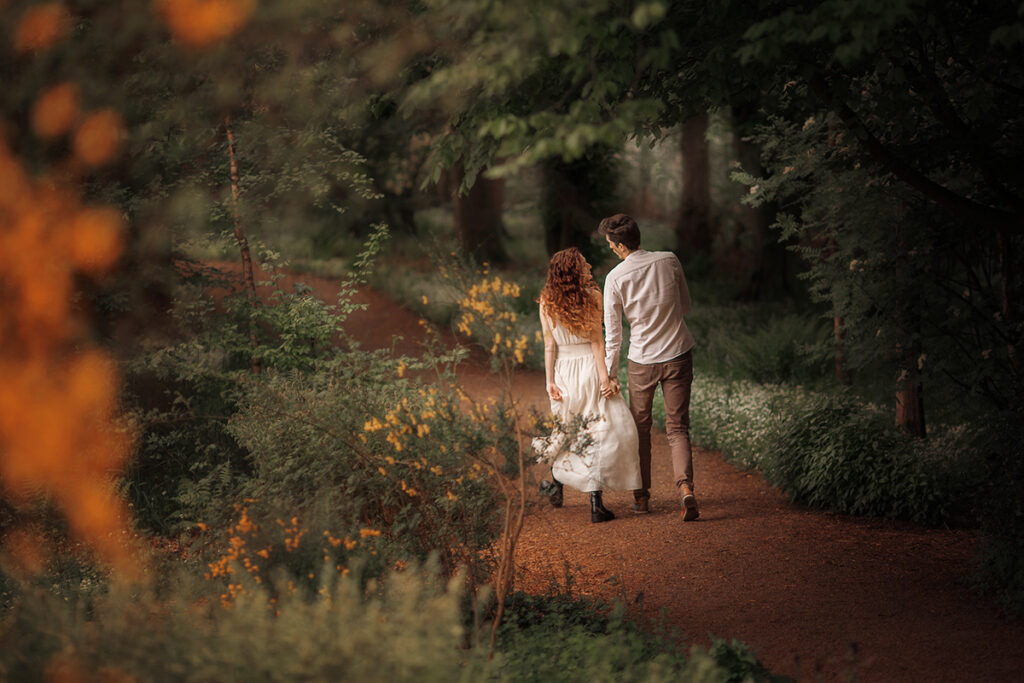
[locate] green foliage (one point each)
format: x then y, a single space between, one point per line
561 638
895 191
183 392
406 627
1002 511
355 446
741 663
760 343
185 461
836 452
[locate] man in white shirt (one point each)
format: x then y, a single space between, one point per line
649 288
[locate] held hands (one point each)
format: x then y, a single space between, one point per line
609 387
554 393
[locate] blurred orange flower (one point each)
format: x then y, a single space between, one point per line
96 239
40 27
60 434
55 111
201 22
98 137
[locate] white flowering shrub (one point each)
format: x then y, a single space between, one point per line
835 451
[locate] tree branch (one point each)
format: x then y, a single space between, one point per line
960 207
992 166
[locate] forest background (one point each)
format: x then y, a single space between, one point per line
207 464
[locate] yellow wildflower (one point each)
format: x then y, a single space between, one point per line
395 440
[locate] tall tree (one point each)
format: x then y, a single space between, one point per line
934 115
575 196
693 224
478 215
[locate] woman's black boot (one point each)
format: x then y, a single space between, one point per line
553 490
598 512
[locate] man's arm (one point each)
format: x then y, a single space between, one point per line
684 290
612 327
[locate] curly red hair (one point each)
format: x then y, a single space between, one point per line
568 295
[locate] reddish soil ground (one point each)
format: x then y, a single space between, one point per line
819 596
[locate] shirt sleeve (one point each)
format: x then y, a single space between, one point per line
684 290
612 326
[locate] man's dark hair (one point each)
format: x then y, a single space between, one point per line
621 229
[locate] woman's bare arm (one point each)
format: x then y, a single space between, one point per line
608 386
550 356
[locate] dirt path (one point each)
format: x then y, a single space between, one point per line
819 596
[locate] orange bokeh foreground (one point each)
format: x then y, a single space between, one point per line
59 433
201 22
40 27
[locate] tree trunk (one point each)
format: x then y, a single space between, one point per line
693 225
566 211
909 396
575 195
243 243
1007 276
843 375
478 216
643 202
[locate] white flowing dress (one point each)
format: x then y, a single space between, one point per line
611 459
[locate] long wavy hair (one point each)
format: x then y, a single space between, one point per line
568 295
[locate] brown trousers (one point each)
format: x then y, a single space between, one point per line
675 377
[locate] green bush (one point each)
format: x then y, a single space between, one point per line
182 388
741 664
834 451
1001 570
406 627
559 638
356 446
762 343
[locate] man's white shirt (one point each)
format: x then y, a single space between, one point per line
650 289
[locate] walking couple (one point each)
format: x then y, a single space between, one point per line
581 370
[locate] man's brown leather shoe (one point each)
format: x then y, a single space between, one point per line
689 502
640 501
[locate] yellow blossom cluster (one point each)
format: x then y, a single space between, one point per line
486 311
293 533
485 300
239 554
236 554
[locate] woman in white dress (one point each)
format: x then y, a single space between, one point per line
603 454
